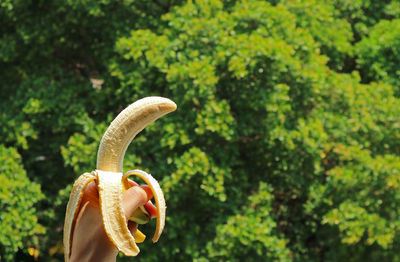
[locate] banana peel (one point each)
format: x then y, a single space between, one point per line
111 182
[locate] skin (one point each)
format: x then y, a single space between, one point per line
89 240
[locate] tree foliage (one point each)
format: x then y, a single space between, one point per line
285 145
18 220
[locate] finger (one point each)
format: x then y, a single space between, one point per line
90 194
132 227
151 209
148 191
145 188
132 199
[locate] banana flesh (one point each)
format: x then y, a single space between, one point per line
111 181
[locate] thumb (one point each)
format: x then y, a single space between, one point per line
132 199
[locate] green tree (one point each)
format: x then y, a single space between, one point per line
286 142
18 195
378 54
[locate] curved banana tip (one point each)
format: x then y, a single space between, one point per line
168 105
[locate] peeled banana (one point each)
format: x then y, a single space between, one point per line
111 181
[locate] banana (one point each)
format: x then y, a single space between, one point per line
111 181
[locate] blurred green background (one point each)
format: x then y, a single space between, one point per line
285 145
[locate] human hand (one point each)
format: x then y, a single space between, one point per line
89 240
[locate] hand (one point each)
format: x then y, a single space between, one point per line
89 240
